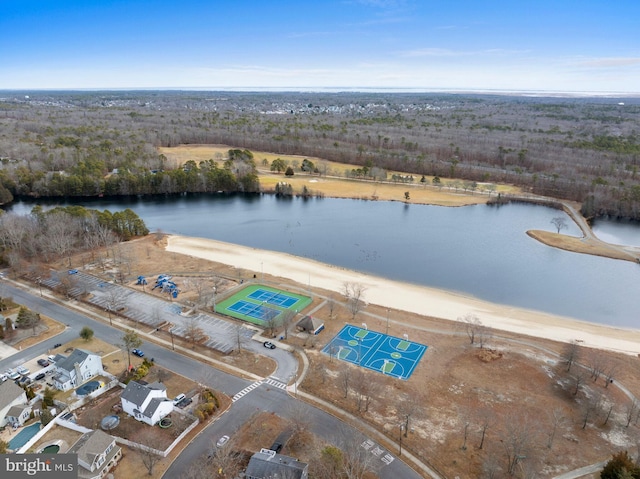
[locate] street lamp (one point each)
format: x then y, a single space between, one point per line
401 429
387 321
215 290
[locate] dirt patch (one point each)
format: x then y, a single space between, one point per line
488 355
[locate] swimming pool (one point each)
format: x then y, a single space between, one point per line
23 436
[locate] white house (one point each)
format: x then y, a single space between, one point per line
146 403
11 396
76 369
97 454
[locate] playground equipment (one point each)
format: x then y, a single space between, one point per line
164 282
141 280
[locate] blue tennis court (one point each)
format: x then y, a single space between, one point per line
273 297
376 351
260 311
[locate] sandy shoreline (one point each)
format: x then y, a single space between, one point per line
409 297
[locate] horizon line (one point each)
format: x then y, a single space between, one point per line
346 89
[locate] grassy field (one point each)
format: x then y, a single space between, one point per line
335 184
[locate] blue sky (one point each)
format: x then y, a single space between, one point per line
560 45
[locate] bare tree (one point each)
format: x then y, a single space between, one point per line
407 408
344 379
353 293
578 377
486 418
590 408
241 339
631 410
557 420
559 222
596 363
474 328
193 332
610 372
224 462
150 446
357 462
287 318
571 353
331 304
518 438
129 341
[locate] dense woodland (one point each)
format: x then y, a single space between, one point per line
105 143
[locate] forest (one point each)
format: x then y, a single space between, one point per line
104 143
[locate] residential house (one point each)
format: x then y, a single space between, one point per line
77 368
11 395
267 464
18 415
97 454
146 402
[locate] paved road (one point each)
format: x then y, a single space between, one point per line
250 396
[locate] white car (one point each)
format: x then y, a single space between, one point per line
11 374
222 441
3 377
22 371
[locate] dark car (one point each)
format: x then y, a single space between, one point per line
184 403
138 352
277 447
43 362
57 345
39 377
269 345
23 381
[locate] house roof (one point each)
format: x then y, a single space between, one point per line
269 465
153 405
137 393
78 356
9 392
309 323
91 445
16 411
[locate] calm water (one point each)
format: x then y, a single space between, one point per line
478 250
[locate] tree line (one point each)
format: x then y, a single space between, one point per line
105 143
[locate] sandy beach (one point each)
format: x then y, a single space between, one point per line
409 297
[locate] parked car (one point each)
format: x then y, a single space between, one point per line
51 358
73 271
269 345
178 399
3 378
57 345
277 447
222 441
138 352
184 403
43 362
11 374
40 376
22 371
24 381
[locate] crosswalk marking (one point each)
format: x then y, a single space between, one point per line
270 381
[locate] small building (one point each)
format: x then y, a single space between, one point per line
18 415
77 368
146 402
309 324
11 395
97 454
267 464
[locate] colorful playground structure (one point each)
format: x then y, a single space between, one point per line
164 282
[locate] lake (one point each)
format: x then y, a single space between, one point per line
482 251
